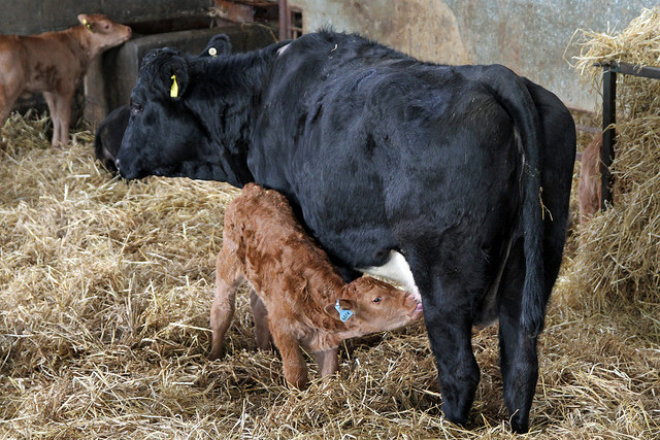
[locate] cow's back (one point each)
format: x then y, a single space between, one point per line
371 127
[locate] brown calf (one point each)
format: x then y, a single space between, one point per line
589 185
308 304
54 63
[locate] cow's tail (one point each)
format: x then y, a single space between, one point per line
513 96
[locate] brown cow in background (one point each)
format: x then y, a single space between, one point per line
307 302
54 63
589 185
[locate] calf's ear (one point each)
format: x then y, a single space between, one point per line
343 309
84 19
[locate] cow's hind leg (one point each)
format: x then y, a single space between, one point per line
518 356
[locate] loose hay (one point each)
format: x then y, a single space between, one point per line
105 290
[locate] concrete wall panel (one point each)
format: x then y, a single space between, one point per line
530 36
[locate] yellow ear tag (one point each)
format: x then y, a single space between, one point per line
87 25
174 91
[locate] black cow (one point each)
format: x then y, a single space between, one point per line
456 180
111 131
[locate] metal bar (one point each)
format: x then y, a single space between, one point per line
609 119
643 71
284 20
631 69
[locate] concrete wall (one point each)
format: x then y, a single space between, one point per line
530 36
24 17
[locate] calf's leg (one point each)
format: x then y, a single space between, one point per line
7 100
260 316
222 309
293 362
59 105
328 362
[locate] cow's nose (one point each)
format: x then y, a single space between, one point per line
117 164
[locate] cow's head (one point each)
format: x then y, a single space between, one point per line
370 305
168 133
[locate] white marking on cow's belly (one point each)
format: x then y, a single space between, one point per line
282 49
396 269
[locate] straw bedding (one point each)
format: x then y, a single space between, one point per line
105 289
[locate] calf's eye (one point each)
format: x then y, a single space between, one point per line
377 300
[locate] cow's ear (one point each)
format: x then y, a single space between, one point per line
176 75
223 45
169 68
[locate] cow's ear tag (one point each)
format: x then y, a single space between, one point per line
213 52
87 25
344 314
174 91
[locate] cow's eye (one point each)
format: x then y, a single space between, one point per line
136 108
377 300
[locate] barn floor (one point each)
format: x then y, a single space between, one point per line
105 289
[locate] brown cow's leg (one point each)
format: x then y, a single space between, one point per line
293 362
222 310
328 362
260 316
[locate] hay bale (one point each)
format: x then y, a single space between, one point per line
618 261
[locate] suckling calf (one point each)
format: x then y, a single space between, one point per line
308 303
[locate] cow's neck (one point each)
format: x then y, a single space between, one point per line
226 112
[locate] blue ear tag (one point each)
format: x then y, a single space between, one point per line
344 314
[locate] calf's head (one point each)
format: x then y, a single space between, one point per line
370 305
103 32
